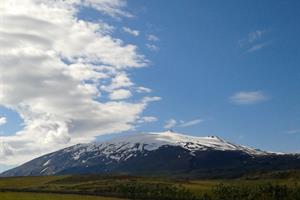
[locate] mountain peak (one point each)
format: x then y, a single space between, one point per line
155 140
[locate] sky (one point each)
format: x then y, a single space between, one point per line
83 70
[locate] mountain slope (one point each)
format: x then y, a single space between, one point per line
157 153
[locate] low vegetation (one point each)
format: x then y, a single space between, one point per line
38 196
266 186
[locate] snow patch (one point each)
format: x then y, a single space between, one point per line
47 163
123 148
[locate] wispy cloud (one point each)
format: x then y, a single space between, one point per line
114 8
248 97
131 31
252 37
2 121
147 119
293 131
171 123
152 38
257 47
191 123
254 41
143 90
152 47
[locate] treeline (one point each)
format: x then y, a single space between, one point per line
153 191
254 192
220 192
146 189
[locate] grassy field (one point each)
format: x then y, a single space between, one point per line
96 187
38 196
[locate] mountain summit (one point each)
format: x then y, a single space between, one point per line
154 141
155 154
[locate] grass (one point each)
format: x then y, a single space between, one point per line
38 196
27 182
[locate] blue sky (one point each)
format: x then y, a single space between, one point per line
219 68
201 63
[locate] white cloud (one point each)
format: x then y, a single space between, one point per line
54 69
254 41
170 123
191 123
131 31
152 47
257 47
152 38
147 119
110 7
2 121
252 37
248 97
120 94
143 90
151 99
120 80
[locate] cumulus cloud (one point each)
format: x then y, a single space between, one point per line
120 94
248 97
2 121
55 69
120 80
131 31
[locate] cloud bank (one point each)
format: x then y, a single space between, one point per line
57 72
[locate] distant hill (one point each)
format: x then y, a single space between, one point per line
166 154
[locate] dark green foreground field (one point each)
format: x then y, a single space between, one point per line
277 186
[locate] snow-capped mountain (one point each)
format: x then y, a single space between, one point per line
125 147
152 153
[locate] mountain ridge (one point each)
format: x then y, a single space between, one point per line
145 153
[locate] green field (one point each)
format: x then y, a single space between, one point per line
38 196
284 185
